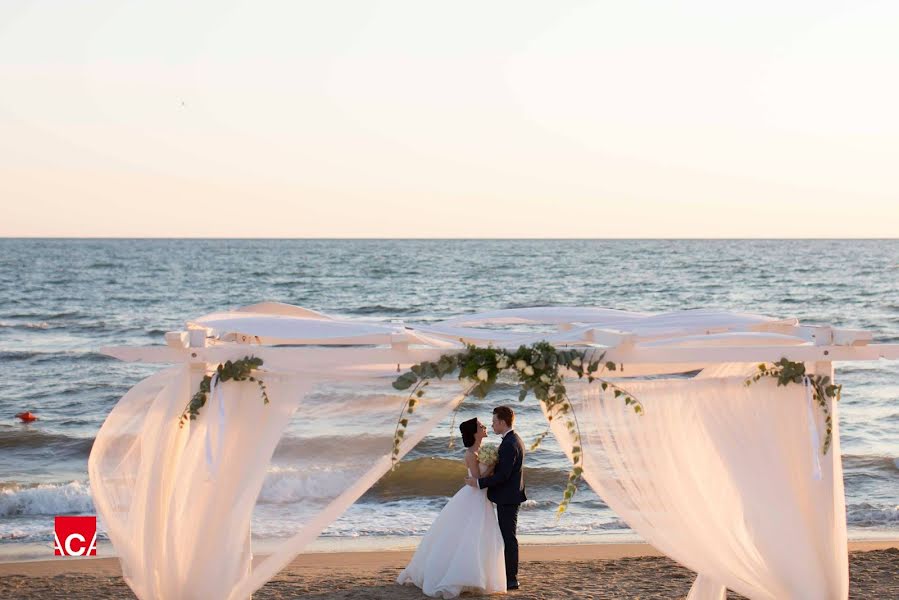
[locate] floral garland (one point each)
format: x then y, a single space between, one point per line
239 370
538 369
787 372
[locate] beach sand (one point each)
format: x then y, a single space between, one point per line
607 571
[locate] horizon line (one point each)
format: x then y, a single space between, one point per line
363 238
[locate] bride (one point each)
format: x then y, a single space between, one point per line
463 549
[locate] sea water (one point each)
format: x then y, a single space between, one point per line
62 300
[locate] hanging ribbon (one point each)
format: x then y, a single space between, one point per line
813 430
216 424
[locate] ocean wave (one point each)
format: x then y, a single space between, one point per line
870 463
331 446
439 446
46 499
16 534
423 477
286 485
584 499
38 357
27 438
378 309
16 355
614 524
25 325
289 485
872 515
418 478
46 316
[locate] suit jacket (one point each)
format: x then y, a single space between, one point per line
506 485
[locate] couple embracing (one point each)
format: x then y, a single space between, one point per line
469 547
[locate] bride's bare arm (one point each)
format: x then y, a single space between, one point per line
471 461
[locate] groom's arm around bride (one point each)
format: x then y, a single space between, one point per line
510 456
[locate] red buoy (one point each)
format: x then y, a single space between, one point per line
26 417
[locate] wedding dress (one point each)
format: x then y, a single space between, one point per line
463 549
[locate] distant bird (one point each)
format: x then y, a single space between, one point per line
26 417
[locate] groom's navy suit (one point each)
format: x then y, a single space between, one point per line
505 488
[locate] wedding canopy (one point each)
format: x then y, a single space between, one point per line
726 479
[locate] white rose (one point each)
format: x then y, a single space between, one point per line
529 370
501 362
483 375
576 362
520 364
544 378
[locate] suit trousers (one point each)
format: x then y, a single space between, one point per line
507 515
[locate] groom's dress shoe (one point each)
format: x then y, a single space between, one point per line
512 586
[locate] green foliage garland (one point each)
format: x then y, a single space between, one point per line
538 369
787 372
239 370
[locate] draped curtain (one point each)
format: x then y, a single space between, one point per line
177 502
727 480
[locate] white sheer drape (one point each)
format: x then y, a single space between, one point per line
177 502
721 477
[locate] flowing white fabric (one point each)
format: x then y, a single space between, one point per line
168 515
705 588
272 323
177 502
462 551
719 477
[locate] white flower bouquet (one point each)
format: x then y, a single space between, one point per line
488 454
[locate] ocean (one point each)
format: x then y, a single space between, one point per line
62 299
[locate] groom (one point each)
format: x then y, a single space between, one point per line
505 487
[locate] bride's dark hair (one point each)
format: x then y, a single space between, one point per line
468 429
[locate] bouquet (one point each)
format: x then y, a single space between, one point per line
488 454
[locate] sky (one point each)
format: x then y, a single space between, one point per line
449 119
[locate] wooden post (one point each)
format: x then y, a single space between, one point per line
196 339
823 337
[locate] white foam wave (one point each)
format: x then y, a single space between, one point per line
46 499
15 534
27 325
287 485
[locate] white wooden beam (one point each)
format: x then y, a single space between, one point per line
177 339
721 354
852 337
308 356
818 333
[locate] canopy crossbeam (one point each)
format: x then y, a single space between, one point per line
290 335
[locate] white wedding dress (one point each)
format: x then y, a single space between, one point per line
462 551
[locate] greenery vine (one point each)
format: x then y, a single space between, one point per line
538 368
823 389
238 370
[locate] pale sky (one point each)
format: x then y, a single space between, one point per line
449 119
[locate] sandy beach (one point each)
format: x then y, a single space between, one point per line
590 571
